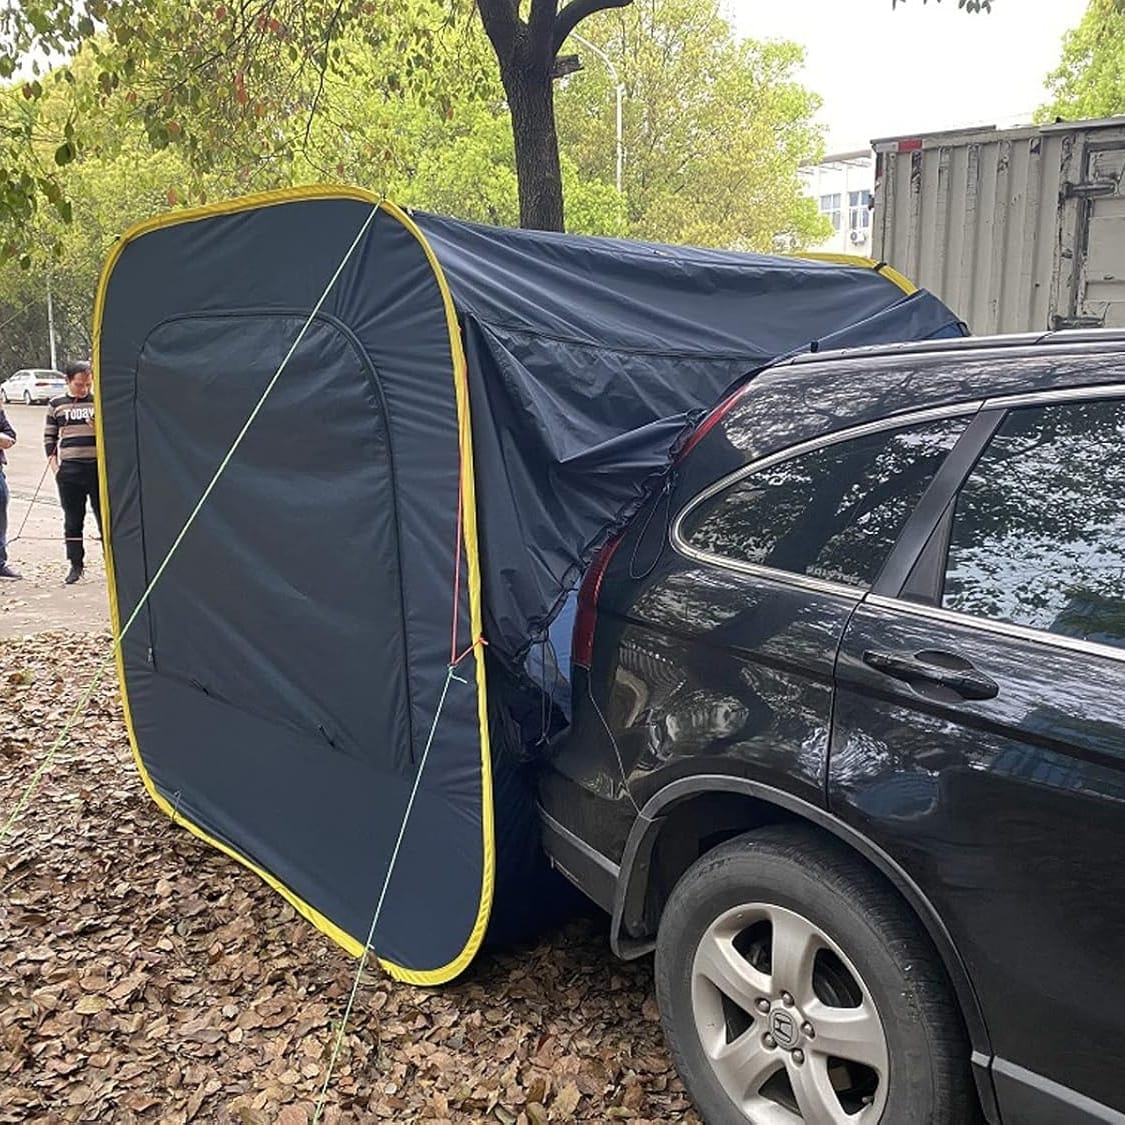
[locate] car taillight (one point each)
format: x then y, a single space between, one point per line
710 422
585 620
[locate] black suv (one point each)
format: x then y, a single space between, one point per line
848 739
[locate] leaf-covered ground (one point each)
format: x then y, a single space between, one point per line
146 977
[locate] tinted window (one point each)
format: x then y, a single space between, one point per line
833 513
1039 530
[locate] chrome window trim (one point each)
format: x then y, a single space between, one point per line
892 422
782 577
1001 628
1062 394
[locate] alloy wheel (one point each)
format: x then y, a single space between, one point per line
785 1020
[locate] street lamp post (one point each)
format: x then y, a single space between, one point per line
619 89
51 323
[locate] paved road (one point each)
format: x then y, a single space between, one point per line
40 601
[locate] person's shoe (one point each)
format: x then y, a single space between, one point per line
74 575
7 572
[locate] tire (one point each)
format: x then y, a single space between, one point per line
4 397
808 938
27 398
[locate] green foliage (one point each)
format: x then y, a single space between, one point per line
715 128
443 144
1090 79
113 181
593 206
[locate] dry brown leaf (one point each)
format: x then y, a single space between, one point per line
537 1091
566 1101
294 1115
247 1115
139 1103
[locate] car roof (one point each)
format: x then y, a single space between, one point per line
933 372
809 396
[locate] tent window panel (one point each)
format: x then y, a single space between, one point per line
283 599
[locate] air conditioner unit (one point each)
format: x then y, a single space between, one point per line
858 235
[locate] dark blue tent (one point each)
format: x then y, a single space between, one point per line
462 416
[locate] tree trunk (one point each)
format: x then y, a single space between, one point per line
531 100
526 52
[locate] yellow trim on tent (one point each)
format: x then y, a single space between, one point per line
860 262
468 500
476 620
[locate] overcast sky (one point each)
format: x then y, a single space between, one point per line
919 67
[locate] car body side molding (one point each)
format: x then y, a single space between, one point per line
1031 1099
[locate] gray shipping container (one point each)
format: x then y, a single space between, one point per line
1017 229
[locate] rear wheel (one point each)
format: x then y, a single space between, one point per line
795 987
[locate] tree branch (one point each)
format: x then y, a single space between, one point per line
574 13
323 71
501 19
540 25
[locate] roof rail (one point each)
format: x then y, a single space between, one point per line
963 344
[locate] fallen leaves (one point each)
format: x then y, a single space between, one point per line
145 977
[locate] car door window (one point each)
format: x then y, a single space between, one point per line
833 513
1038 533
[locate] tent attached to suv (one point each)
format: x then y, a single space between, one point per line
462 415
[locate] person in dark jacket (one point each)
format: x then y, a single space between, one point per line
72 452
7 440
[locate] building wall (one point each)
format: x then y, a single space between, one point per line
842 186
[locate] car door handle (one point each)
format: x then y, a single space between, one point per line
932 666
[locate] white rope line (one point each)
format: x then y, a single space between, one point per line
31 504
450 677
100 671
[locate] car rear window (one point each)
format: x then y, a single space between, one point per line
833 513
